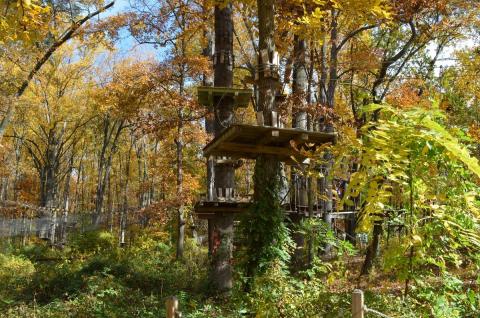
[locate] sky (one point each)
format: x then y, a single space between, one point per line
126 45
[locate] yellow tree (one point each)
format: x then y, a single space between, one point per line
22 20
50 120
175 25
117 101
31 33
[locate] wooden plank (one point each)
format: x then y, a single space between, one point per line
215 209
301 138
205 216
343 212
268 137
236 163
288 133
257 150
225 206
285 155
248 141
225 136
240 96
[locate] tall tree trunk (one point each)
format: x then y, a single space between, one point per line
66 202
18 154
209 128
110 204
48 173
224 174
111 134
124 218
266 231
372 248
143 193
179 142
4 190
328 86
180 216
300 197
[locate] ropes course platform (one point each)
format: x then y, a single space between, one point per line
208 209
317 212
207 95
205 209
249 142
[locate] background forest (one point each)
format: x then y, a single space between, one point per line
101 138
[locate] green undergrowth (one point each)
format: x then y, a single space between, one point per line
95 278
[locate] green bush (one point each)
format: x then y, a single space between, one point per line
16 272
94 242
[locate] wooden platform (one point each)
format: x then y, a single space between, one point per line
207 94
248 141
317 212
209 209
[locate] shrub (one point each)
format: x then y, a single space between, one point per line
16 272
94 242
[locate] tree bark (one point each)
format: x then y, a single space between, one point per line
372 249
223 174
266 230
180 216
111 134
66 201
210 129
124 218
300 197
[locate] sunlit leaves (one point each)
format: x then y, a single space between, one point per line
317 12
414 173
22 20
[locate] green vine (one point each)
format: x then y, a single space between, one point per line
265 234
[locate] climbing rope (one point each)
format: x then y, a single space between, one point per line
373 311
225 123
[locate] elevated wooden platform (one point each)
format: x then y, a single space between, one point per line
248 141
209 209
302 211
207 94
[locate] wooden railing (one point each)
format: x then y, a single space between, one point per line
359 309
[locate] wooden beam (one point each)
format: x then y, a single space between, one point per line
254 150
227 135
220 209
241 97
300 139
247 141
284 154
268 137
236 163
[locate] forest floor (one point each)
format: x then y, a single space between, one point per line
93 277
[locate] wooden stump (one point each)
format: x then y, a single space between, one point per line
172 307
357 304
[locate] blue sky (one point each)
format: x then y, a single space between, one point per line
126 45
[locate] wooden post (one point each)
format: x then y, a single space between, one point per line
357 304
172 306
260 119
